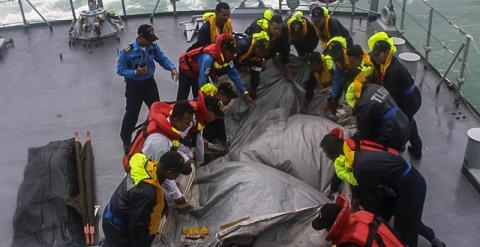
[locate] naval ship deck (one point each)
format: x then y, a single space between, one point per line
43 99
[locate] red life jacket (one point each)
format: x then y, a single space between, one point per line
366 145
361 228
189 65
157 122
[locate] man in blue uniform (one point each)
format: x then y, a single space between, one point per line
136 63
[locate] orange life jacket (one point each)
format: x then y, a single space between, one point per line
157 122
366 145
189 65
361 228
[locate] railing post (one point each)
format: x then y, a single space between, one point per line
39 14
280 6
461 78
174 8
124 10
429 35
73 11
373 10
402 20
352 16
25 23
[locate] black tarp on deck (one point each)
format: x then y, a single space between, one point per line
41 217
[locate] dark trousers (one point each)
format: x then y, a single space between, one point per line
415 140
136 93
387 210
409 209
184 85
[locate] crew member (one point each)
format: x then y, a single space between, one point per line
320 76
358 229
337 50
301 34
358 58
252 51
378 117
393 75
214 134
327 27
132 216
374 169
215 24
197 65
278 33
136 64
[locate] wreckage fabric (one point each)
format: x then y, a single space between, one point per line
274 173
42 217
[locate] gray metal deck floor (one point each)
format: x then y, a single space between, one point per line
43 99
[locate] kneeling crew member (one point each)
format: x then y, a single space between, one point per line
321 76
301 34
132 216
252 51
359 229
375 169
136 63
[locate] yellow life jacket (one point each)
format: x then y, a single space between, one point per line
325 77
324 33
142 169
264 23
215 31
343 165
355 89
384 67
256 37
346 63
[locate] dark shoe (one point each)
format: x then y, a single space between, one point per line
416 154
437 243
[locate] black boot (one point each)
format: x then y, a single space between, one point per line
437 243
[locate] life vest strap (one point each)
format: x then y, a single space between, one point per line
373 233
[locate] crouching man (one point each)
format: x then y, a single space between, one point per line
346 229
133 215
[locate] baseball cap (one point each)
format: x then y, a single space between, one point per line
213 104
326 216
227 89
147 32
173 161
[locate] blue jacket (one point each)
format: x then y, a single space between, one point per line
205 63
132 56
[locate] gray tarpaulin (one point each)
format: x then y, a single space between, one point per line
284 229
275 166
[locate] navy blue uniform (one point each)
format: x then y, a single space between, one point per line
139 89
